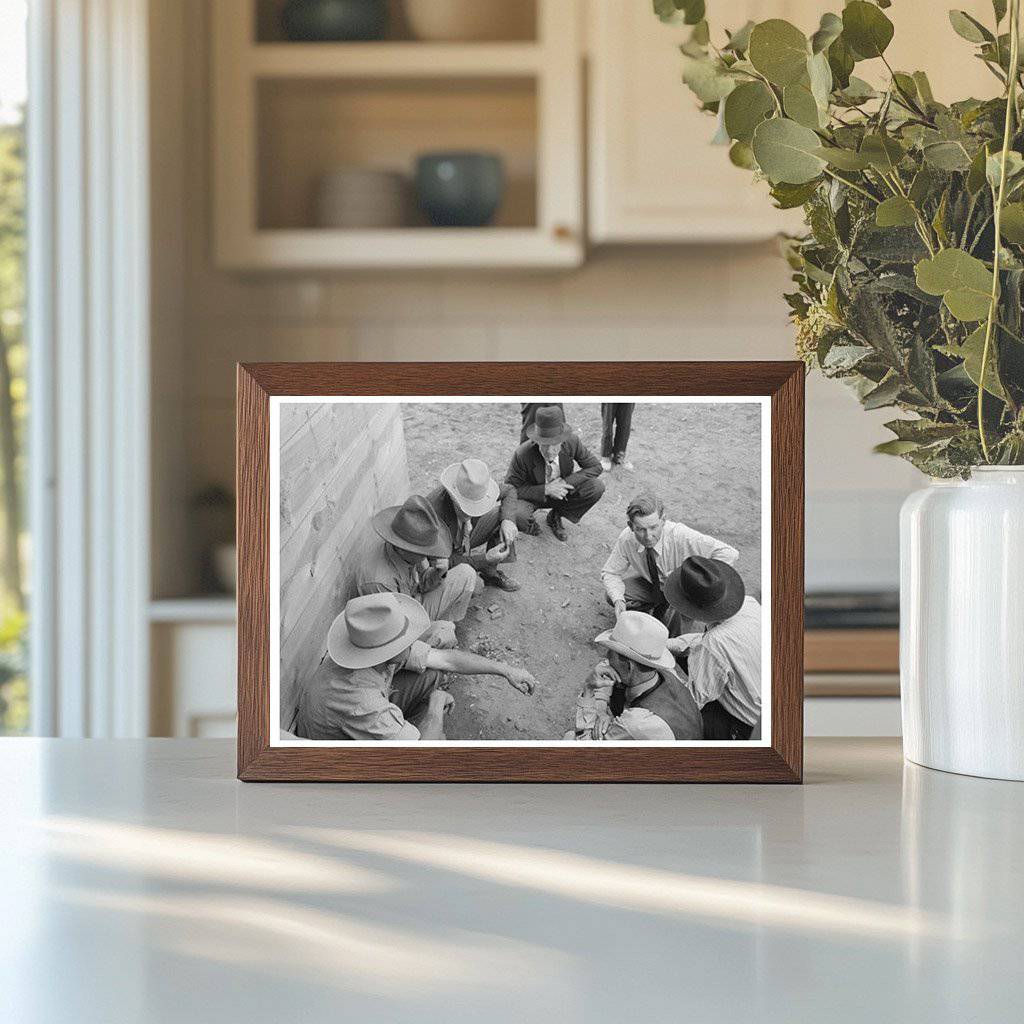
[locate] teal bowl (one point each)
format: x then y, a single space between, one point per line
334 21
462 190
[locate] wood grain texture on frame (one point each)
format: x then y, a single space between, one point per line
780 762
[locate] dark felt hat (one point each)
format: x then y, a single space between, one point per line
414 526
705 589
549 426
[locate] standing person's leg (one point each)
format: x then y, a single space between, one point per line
623 426
450 600
608 414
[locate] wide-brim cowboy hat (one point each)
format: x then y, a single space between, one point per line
373 629
641 638
414 527
549 426
463 480
706 589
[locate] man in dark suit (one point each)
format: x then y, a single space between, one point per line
543 472
528 411
478 511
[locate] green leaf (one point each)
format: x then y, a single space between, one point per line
971 352
701 34
922 185
745 108
707 78
788 197
895 212
866 29
976 173
844 159
993 166
690 12
882 151
739 41
969 28
840 61
787 151
829 30
895 447
923 431
947 156
858 91
1012 224
819 75
963 281
779 51
999 9
801 106
741 155
885 394
924 88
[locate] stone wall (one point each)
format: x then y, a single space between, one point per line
340 462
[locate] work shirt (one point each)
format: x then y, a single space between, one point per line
595 722
724 664
678 542
383 570
355 704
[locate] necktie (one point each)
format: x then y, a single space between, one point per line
552 470
652 571
463 541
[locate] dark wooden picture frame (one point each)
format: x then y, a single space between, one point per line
781 761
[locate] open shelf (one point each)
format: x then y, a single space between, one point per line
309 127
392 60
520 23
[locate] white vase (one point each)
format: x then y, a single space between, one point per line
962 624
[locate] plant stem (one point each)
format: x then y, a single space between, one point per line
1011 108
853 185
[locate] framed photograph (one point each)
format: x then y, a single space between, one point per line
519 572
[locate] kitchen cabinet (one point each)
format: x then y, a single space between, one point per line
287 114
653 175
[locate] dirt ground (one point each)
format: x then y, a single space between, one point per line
704 461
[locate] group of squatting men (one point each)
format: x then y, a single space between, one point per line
683 660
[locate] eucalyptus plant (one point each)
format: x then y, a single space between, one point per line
910 277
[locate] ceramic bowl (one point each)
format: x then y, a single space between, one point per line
359 197
470 20
332 21
460 189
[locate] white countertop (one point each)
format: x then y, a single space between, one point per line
140 882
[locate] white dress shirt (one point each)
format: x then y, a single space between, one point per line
678 542
725 664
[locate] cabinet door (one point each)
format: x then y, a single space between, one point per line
653 174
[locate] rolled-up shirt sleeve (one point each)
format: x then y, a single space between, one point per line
614 570
416 655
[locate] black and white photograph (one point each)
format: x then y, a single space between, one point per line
500 571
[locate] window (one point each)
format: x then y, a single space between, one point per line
14 692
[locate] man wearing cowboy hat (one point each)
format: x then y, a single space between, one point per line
412 540
636 694
378 681
646 552
477 511
543 473
723 663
